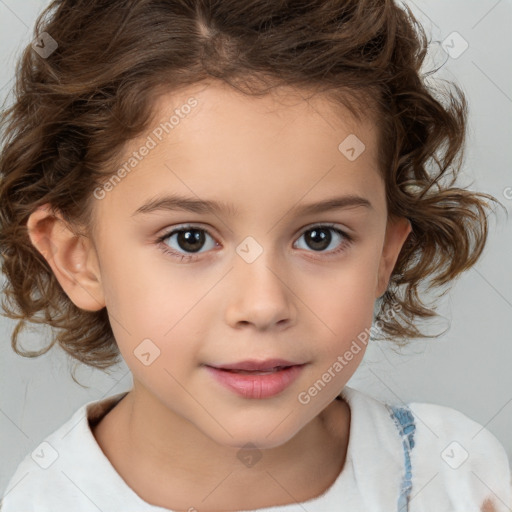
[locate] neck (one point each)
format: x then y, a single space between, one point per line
170 463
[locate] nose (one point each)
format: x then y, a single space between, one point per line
260 294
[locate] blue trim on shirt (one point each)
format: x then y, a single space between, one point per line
404 421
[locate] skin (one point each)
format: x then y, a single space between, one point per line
183 429
488 506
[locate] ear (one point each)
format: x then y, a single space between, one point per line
72 258
397 231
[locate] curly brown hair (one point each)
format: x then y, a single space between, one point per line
75 109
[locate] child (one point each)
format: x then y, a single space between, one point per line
296 144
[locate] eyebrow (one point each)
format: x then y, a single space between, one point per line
189 204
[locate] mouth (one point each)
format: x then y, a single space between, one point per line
256 380
253 366
257 372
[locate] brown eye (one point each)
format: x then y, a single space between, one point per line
185 241
190 240
320 238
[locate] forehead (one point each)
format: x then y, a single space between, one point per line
219 110
213 142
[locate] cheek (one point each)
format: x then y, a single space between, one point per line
345 295
132 314
138 287
343 314
152 300
343 302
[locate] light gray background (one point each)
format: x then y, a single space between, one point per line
469 368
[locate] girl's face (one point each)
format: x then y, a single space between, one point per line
256 273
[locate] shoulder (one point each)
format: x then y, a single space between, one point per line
63 470
457 462
42 469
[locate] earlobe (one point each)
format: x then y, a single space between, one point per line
397 231
72 258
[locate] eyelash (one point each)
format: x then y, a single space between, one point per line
192 257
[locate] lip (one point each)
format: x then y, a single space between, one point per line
255 365
257 386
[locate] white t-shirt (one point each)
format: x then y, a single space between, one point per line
418 457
